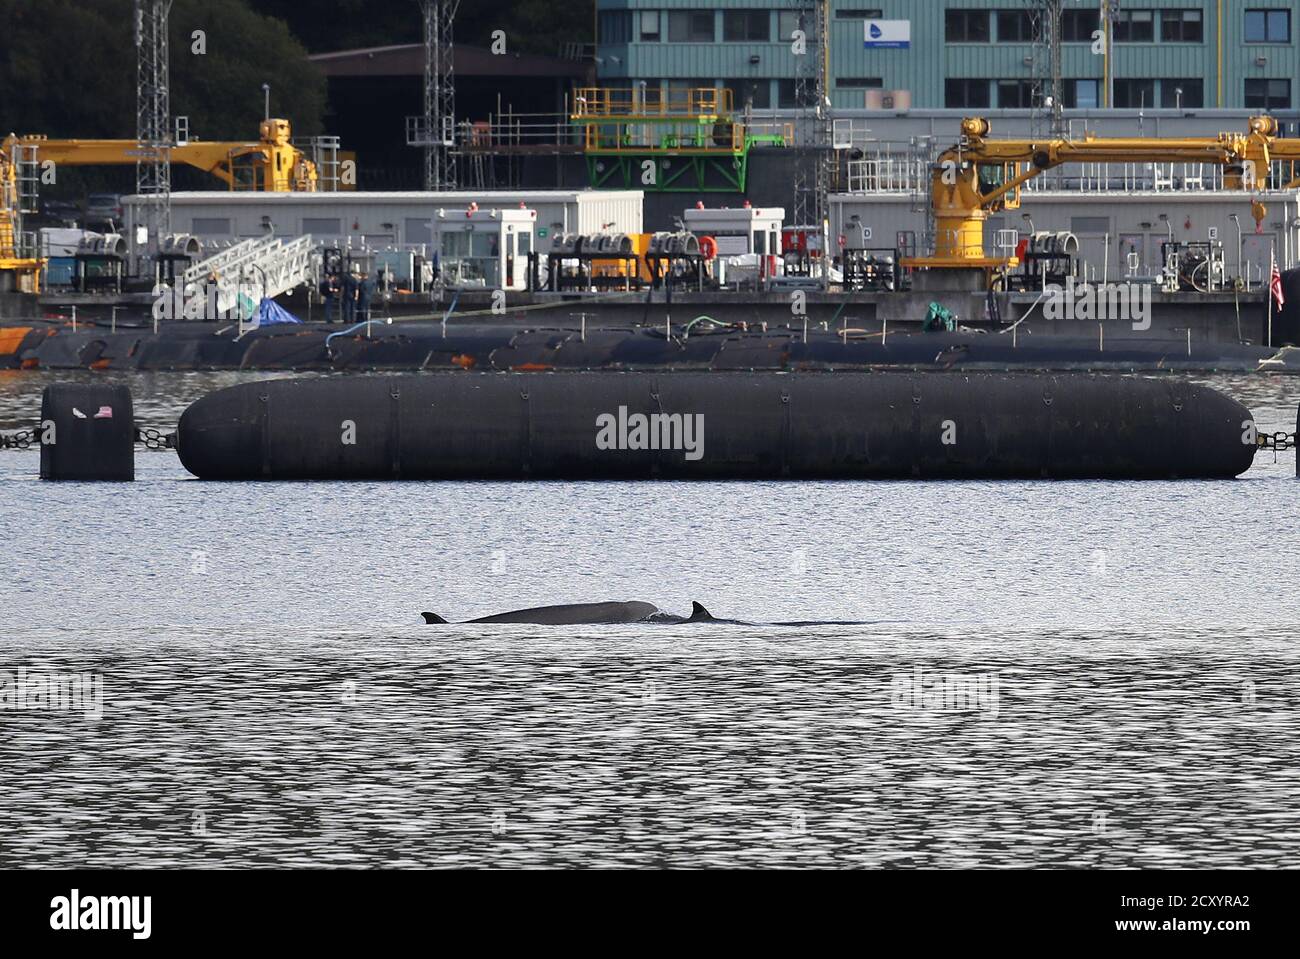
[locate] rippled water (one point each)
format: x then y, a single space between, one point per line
1119 659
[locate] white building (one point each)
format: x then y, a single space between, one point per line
739 230
384 220
485 249
1120 233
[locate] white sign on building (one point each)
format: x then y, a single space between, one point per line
887 34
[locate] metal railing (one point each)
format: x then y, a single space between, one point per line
323 151
27 170
520 132
220 261
510 132
419 133
268 263
1130 178
720 137
850 132
770 130
888 173
899 171
648 101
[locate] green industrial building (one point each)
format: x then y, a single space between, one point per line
969 55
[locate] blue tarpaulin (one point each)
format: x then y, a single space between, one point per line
270 313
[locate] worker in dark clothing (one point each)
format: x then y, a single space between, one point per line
330 293
365 292
351 280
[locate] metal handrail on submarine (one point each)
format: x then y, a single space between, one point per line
981 175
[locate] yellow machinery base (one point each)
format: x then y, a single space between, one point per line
972 263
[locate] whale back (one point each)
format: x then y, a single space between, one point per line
574 614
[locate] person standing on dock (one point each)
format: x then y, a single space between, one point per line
351 280
330 293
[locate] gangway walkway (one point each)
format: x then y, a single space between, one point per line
266 267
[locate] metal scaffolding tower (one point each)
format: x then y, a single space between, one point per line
812 97
153 118
1047 96
437 131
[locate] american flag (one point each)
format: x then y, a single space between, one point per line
1275 287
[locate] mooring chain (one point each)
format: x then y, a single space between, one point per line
17 440
151 438
1275 441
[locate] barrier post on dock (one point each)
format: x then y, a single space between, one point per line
1268 295
1236 220
74 318
582 326
1189 341
1101 337
113 321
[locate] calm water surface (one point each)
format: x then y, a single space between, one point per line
1047 674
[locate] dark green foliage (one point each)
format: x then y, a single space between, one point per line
531 26
67 69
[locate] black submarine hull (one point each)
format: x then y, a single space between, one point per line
750 425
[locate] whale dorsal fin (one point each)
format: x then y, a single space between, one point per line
431 619
699 614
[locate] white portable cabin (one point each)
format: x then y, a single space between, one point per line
383 220
1120 234
740 231
484 249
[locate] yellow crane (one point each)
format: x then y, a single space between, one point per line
16 272
271 164
982 175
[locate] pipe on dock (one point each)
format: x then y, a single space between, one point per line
742 425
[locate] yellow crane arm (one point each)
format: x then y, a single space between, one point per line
962 193
271 164
1110 151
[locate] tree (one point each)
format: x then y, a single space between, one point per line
324 26
220 89
531 26
67 69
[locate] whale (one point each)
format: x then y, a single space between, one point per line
587 614
583 614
